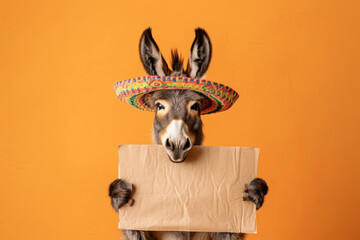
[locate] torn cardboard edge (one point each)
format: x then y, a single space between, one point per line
202 194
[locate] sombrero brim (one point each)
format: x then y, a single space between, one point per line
136 91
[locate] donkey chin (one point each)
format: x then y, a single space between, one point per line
177 141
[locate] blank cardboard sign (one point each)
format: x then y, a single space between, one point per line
203 193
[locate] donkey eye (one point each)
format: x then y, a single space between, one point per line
159 106
195 107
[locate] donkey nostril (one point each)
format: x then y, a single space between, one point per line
169 145
187 144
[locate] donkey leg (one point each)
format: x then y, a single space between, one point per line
229 236
166 235
120 193
137 235
256 192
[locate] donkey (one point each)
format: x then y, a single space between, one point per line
178 126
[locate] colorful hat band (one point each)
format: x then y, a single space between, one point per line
136 91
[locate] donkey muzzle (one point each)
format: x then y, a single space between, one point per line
176 141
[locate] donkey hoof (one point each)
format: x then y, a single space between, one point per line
120 193
256 192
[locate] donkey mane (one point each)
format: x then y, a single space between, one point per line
176 61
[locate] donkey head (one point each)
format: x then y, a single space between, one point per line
177 124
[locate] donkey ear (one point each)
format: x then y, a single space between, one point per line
200 55
150 55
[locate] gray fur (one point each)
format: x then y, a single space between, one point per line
119 194
178 99
150 55
154 64
176 64
200 55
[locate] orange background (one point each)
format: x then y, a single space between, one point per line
295 66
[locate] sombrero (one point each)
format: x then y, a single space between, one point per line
137 91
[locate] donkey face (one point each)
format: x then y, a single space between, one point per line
177 125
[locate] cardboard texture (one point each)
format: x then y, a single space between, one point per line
202 194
